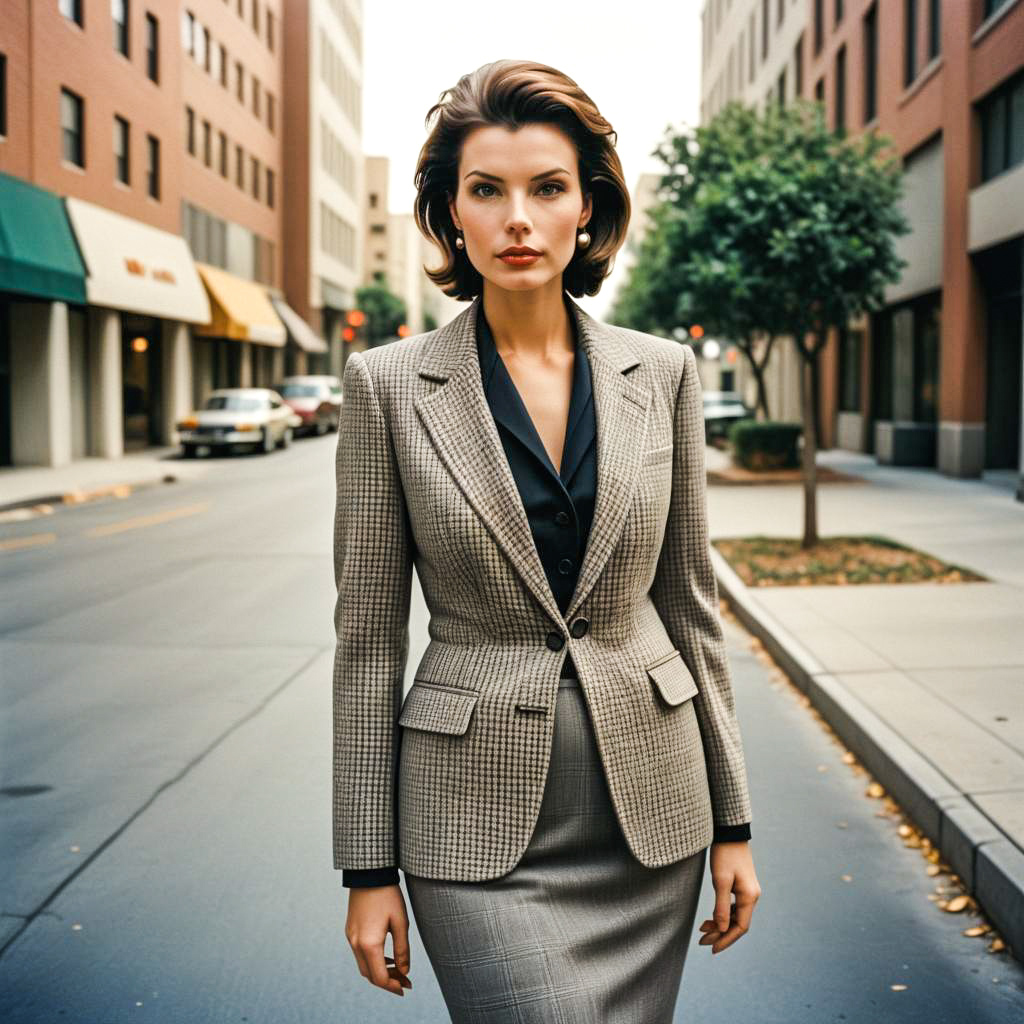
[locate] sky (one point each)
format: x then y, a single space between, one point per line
639 61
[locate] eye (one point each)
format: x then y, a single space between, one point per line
557 186
475 189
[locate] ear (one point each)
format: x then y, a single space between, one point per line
452 213
588 210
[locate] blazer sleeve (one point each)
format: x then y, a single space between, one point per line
373 556
685 595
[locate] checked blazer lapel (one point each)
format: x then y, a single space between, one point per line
461 427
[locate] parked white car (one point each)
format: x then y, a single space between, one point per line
234 417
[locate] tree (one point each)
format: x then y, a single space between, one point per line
385 312
767 225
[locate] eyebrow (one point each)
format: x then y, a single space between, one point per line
546 174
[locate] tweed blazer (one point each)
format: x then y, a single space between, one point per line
448 783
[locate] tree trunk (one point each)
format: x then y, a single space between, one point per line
810 449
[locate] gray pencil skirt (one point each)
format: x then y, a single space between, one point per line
579 931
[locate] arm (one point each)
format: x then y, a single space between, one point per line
373 576
685 594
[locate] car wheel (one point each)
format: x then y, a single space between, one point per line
268 441
286 437
321 428
188 451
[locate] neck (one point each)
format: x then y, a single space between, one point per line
530 325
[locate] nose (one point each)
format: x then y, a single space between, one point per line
517 221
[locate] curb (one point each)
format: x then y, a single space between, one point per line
80 497
989 864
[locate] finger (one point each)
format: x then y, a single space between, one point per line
745 908
723 904
726 940
373 950
400 944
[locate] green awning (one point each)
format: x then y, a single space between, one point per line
38 253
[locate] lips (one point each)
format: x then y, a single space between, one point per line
518 250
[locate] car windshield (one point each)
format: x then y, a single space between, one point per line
300 391
235 403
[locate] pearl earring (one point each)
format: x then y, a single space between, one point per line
583 239
459 243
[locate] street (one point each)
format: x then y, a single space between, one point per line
166 842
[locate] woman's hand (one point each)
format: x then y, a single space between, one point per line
732 871
373 911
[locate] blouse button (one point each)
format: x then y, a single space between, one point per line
562 518
555 641
565 566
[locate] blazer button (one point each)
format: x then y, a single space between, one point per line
579 627
565 566
562 518
555 641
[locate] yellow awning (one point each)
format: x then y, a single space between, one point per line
240 309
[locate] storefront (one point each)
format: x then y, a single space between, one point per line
143 290
242 344
306 352
42 297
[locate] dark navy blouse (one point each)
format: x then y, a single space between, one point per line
559 506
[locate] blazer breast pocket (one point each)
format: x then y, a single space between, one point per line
653 456
672 679
435 707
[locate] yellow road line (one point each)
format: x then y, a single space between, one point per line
33 540
141 522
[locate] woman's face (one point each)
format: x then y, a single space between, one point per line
519 188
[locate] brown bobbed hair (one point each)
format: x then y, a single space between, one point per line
513 93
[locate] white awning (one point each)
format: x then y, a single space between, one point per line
301 333
136 267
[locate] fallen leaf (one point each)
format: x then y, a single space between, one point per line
977 930
905 830
898 988
956 904
875 791
933 870
996 946
849 758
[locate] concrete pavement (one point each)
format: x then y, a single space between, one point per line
924 682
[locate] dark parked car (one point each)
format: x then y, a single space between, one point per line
316 399
721 410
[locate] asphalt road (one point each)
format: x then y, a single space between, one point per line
165 848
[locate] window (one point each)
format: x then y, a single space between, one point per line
270 111
909 41
200 39
819 25
871 64
256 16
207 139
214 54
3 94
224 65
765 17
840 97
1002 128
254 180
153 166
223 155
838 12
270 188
781 12
239 167
204 63
190 130
72 10
119 16
122 149
239 81
188 33
72 127
934 28
850 346
819 89
798 67
152 48
780 91
270 30
256 96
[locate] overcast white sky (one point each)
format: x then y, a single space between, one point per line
639 61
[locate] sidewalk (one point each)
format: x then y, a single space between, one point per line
85 479
923 682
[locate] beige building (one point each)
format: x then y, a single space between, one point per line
323 164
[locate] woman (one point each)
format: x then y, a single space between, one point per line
568 750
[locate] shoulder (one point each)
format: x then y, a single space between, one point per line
665 359
397 359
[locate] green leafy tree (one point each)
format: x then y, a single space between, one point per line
769 225
385 312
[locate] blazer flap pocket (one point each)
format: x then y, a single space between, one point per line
436 708
673 678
